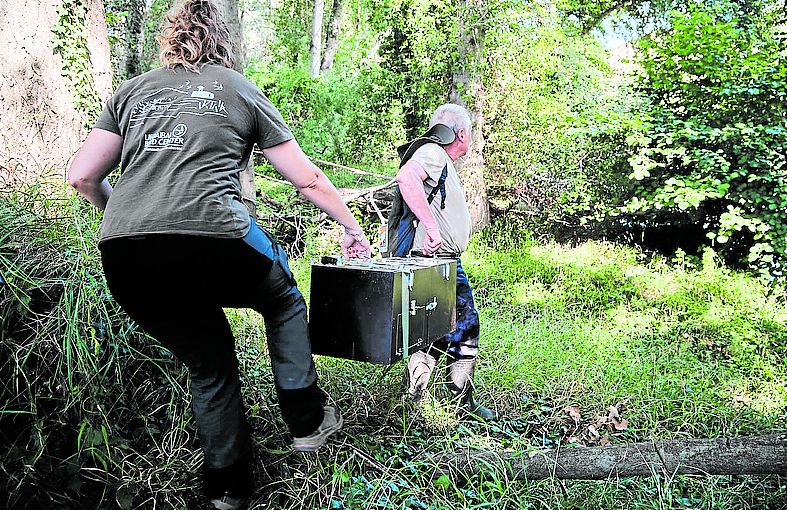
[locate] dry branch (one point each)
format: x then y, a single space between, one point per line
337 165
354 193
349 168
722 456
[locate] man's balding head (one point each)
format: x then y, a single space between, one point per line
453 116
458 119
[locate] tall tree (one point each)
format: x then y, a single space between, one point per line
55 76
231 16
332 39
230 13
316 38
126 20
467 77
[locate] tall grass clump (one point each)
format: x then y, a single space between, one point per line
94 414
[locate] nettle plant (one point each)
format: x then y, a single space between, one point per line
714 138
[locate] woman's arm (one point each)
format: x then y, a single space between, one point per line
98 156
289 160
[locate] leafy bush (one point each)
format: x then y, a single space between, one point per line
555 116
715 139
343 118
420 51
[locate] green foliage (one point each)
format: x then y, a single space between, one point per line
344 118
132 28
589 15
715 138
86 397
95 414
292 26
152 24
69 39
688 345
421 52
555 112
117 35
392 69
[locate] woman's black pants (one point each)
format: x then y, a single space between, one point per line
175 286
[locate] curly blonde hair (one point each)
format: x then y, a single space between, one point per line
194 35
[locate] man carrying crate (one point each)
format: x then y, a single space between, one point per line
433 218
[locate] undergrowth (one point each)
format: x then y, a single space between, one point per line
96 415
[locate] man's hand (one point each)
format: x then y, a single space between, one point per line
355 245
432 240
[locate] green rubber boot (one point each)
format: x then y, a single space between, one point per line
460 383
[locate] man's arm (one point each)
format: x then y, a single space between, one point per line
98 156
289 160
411 179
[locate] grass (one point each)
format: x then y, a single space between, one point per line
698 351
690 348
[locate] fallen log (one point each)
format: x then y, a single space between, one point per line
722 456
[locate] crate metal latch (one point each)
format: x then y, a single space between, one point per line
407 285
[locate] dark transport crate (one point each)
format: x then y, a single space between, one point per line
356 306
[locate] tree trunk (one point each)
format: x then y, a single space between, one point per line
722 456
231 16
316 38
126 48
98 46
134 37
467 78
40 127
332 40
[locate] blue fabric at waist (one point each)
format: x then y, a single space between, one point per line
260 240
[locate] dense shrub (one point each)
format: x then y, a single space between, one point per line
344 118
714 141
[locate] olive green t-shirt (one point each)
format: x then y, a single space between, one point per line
186 138
454 220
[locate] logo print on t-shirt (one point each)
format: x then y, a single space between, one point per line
170 103
202 93
166 140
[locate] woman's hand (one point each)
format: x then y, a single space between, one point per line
355 245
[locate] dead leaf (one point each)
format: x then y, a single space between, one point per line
604 441
594 435
621 425
574 412
614 415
